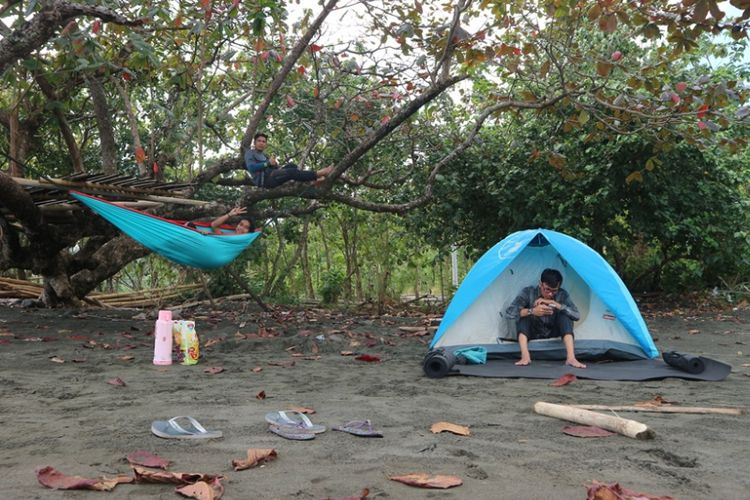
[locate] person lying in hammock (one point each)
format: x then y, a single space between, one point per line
243 226
266 173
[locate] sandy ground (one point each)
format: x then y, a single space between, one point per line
67 416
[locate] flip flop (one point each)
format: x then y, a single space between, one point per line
295 420
171 429
291 432
362 428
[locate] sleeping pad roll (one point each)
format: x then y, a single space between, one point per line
685 362
438 363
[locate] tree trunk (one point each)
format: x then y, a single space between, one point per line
18 143
67 133
104 124
307 274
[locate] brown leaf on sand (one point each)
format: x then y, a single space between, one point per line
564 380
146 459
424 480
117 381
126 357
213 370
56 359
255 457
143 475
261 395
657 401
203 490
601 491
361 496
586 431
461 430
285 364
302 409
347 353
368 358
52 478
257 369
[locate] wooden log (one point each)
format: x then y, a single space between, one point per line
664 409
629 428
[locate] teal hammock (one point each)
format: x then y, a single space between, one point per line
172 238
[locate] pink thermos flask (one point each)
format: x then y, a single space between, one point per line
163 339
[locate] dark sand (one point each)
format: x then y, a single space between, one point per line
65 415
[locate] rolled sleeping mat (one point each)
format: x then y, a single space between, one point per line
438 363
685 362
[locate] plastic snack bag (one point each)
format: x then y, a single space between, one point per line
186 342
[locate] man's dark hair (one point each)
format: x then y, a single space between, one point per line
260 134
552 277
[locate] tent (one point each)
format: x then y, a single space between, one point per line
610 326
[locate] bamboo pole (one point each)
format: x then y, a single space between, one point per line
629 428
664 409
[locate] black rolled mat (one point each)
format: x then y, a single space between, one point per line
642 369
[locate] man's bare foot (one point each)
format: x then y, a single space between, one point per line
523 362
575 363
325 171
319 181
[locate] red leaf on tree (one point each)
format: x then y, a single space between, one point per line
702 125
155 168
586 431
315 48
126 76
264 55
702 110
96 27
178 21
316 92
385 120
368 358
147 459
675 98
68 27
205 4
301 70
140 154
290 101
616 55
235 4
681 87
564 380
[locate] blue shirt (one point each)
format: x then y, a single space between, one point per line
256 162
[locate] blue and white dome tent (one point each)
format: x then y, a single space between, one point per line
610 326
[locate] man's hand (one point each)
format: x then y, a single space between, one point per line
237 211
272 161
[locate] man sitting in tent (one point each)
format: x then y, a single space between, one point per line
542 312
266 173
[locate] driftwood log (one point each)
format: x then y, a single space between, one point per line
629 428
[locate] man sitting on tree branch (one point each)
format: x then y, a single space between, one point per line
266 173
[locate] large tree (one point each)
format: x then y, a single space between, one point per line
177 85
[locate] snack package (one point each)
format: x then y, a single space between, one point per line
187 346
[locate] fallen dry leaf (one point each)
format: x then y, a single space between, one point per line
347 353
693 332
369 358
261 395
143 475
461 430
203 490
600 491
126 358
285 364
146 459
52 478
302 409
586 431
657 401
424 480
255 457
362 496
257 369
211 342
213 370
56 359
564 380
117 381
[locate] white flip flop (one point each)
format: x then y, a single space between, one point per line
294 419
171 429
